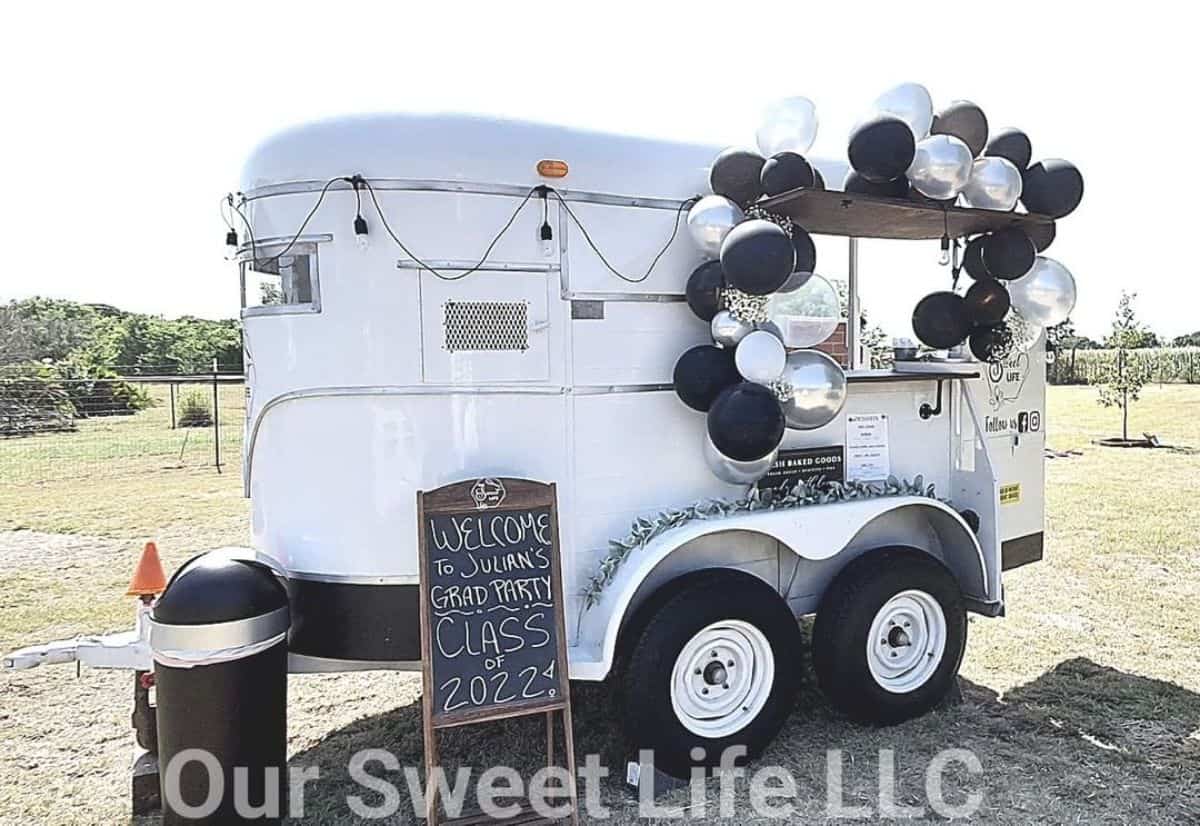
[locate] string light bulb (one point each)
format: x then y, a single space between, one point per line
360 232
545 233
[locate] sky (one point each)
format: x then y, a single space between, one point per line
126 122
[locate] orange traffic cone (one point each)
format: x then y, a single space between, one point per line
148 578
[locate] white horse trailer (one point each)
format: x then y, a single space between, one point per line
491 328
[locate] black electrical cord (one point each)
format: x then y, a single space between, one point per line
358 181
464 273
249 229
303 224
629 279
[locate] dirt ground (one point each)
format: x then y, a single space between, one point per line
1082 705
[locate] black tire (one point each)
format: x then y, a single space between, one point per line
844 618
692 604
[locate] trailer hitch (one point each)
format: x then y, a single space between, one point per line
925 411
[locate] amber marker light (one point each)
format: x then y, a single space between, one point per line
552 169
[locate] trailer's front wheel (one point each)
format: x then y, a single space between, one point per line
889 636
714 666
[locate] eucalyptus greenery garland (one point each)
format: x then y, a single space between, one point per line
811 492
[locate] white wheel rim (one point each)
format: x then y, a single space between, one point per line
722 678
907 641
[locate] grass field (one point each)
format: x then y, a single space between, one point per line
1083 704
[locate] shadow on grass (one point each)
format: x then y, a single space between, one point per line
1081 743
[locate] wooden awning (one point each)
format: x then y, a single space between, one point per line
825 212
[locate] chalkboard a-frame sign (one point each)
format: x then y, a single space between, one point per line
493 640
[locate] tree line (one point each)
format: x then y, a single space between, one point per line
87 337
61 361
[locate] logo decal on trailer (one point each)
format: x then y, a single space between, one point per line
1010 494
488 493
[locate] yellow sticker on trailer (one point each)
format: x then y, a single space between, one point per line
1010 494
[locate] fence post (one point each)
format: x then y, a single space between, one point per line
172 387
216 418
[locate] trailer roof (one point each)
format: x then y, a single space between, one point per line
453 147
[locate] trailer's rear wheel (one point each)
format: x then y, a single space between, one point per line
889 636
715 665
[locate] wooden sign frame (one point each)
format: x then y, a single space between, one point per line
480 496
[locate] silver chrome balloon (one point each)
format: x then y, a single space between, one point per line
788 125
733 471
1045 295
760 357
808 314
911 103
941 167
994 184
709 221
727 331
815 387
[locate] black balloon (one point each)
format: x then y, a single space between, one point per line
1008 253
972 259
987 302
940 320
704 290
1042 235
746 422
785 171
757 257
806 250
965 121
702 373
818 179
1053 187
991 344
882 148
1012 144
857 184
736 173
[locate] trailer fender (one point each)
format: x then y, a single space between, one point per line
812 533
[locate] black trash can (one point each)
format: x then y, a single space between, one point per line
219 638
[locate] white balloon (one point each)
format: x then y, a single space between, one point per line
911 103
816 389
1045 295
995 183
760 357
807 314
709 221
940 167
788 125
728 331
733 471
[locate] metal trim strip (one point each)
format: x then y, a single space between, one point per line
463 188
213 639
356 579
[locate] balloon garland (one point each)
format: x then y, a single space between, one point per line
749 383
757 288
952 159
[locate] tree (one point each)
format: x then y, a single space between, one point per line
1127 332
1122 379
1190 340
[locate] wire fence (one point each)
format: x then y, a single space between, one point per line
56 426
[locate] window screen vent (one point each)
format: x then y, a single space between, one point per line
486 325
